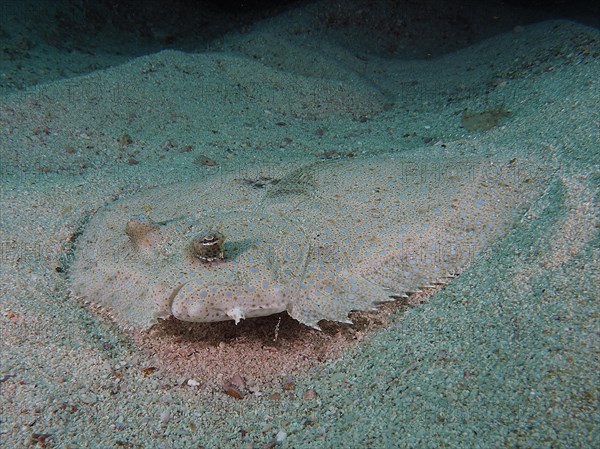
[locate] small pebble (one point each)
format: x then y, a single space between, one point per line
280 437
310 394
41 439
238 381
193 383
330 154
148 371
203 160
235 387
233 391
125 139
286 141
41 130
168 145
165 416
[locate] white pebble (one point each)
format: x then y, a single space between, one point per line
193 383
280 437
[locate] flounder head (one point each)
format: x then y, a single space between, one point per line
234 266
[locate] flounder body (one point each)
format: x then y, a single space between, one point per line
319 242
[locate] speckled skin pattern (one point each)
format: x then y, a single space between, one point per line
318 242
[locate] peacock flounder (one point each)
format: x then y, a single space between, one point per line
318 242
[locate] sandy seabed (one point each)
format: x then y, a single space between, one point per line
506 355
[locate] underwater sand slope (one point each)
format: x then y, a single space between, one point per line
506 355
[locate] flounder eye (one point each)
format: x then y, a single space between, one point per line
208 246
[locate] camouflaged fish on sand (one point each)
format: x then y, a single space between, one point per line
323 240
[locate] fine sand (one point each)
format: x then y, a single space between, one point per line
505 356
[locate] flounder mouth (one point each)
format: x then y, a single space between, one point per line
193 302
